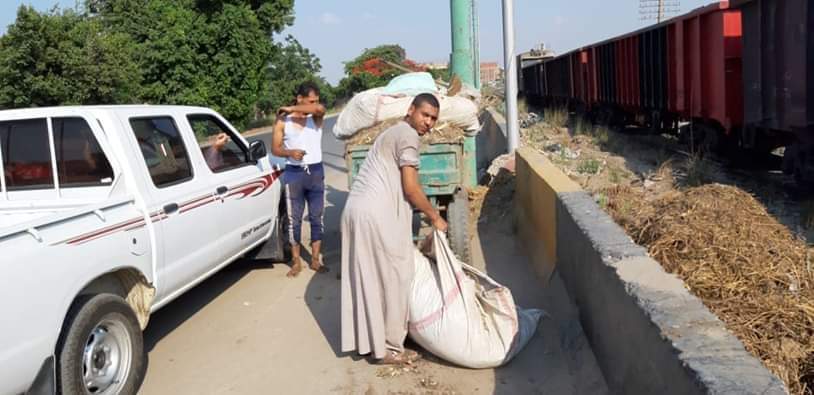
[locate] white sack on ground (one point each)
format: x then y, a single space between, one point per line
370 107
463 316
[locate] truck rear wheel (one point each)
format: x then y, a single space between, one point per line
101 350
458 221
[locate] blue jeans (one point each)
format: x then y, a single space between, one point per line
304 185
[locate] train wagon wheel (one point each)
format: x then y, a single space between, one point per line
458 221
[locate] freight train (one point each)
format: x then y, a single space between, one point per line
732 75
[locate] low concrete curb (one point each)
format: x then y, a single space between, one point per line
649 334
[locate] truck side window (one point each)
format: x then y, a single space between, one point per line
163 150
26 154
80 160
219 146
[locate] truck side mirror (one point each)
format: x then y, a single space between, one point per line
257 150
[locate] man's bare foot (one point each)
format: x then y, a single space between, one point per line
296 268
318 267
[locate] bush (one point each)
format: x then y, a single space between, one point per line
556 116
589 166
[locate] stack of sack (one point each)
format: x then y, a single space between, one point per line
372 107
461 315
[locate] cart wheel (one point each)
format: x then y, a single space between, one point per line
458 221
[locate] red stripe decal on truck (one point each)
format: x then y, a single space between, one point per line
252 188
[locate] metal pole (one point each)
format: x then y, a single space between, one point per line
476 43
463 56
510 75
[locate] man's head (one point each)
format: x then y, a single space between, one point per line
423 113
308 93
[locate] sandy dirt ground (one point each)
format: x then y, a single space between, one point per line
251 330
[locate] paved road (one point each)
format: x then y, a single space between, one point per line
251 330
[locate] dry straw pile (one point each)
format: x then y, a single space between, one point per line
442 133
745 266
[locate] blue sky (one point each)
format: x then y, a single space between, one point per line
338 30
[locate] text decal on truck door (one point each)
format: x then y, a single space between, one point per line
248 232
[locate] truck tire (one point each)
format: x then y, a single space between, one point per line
458 221
100 350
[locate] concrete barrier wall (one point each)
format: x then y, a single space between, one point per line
649 334
491 141
536 201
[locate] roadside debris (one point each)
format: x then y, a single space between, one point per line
747 268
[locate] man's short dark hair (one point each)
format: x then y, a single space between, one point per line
306 88
428 98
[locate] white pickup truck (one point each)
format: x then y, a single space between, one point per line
108 213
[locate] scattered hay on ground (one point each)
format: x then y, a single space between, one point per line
745 266
442 133
488 204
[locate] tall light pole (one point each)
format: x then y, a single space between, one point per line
464 42
658 9
510 75
465 64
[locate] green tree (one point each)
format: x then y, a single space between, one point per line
214 53
292 64
201 52
372 69
390 53
57 58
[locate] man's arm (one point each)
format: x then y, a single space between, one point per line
277 143
317 110
415 195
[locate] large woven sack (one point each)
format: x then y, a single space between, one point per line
461 315
373 106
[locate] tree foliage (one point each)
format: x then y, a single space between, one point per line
58 58
391 53
292 64
374 68
207 52
214 53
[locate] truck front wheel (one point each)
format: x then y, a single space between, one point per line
101 350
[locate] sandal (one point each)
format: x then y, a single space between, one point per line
411 355
395 358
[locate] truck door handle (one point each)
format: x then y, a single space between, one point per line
170 208
221 190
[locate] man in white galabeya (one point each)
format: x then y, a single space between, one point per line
377 238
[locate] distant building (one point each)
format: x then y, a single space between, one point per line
490 72
435 65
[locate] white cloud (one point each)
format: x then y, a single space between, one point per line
559 20
368 16
328 18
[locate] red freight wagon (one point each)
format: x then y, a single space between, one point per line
583 75
627 73
687 68
778 80
705 78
